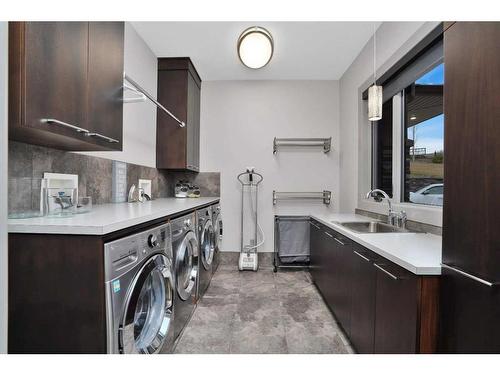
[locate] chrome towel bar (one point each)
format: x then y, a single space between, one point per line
324 195
85 132
326 143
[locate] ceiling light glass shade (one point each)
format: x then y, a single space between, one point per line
255 47
375 103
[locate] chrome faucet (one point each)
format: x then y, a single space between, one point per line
394 218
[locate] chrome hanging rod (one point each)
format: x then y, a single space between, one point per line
150 97
139 98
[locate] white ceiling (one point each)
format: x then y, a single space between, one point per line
302 50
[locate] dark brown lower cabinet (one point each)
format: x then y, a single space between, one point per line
56 294
382 307
340 259
396 310
316 262
364 279
470 312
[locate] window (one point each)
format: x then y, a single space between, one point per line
408 142
423 143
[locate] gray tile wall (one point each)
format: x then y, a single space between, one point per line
27 163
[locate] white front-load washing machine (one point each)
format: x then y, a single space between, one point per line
186 259
139 282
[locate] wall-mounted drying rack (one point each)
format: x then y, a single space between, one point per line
325 143
324 195
142 94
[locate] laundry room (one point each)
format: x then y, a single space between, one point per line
269 185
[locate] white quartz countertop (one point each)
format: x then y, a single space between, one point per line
419 253
107 218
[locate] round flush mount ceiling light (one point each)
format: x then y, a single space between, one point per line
255 47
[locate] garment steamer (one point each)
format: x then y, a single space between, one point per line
250 181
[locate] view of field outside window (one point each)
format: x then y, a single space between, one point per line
423 139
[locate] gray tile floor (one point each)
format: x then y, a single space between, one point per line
262 312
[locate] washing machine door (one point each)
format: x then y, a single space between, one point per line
148 317
186 266
207 244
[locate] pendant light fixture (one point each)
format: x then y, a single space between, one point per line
375 92
255 47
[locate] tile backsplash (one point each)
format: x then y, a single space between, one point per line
27 163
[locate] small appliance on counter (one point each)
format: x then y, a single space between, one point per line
184 189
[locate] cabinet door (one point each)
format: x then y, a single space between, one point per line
471 212
395 310
171 139
323 269
329 268
315 250
55 75
193 125
341 294
469 315
364 278
105 95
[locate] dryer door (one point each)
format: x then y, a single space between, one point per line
186 266
148 311
207 244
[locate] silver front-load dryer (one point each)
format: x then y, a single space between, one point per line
218 232
139 282
186 259
206 240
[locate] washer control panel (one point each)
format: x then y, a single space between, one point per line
123 254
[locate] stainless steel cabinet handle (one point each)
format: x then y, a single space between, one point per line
361 256
65 124
468 275
328 234
110 140
339 241
314 225
386 272
86 132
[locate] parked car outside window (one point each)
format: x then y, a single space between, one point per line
431 194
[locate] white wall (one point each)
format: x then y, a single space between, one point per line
3 186
239 120
139 119
394 40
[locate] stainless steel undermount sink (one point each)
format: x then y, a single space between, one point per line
373 227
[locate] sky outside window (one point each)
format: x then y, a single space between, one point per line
430 133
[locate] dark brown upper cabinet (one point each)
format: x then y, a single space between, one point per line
179 89
66 84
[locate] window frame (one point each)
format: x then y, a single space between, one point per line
428 214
